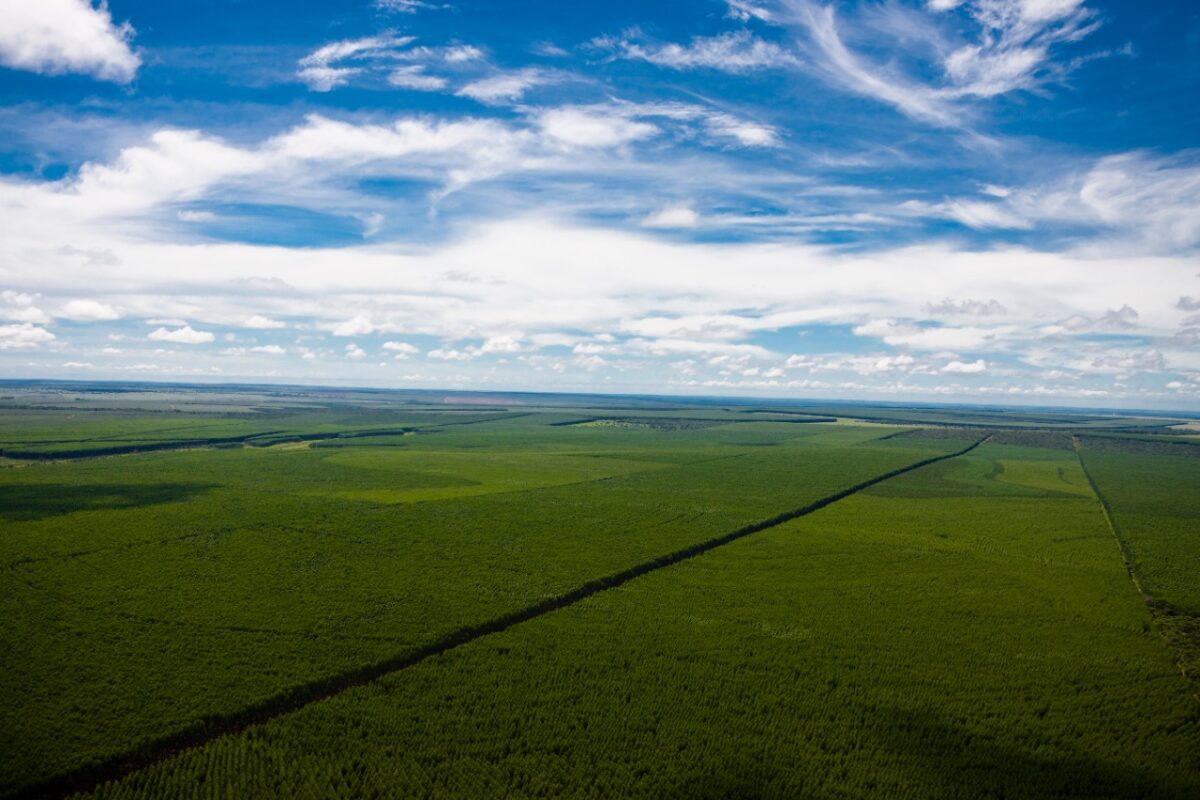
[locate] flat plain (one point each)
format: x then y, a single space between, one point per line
305 593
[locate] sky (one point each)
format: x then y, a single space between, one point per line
991 201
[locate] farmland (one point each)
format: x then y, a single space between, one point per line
301 593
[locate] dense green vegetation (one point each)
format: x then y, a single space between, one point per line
1154 499
963 630
966 628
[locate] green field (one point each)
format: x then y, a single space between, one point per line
307 594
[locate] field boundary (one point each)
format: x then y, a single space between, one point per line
259 439
1155 607
90 777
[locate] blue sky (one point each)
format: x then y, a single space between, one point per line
960 200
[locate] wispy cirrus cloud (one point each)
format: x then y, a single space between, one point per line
333 64
982 49
1014 45
510 86
1150 201
735 51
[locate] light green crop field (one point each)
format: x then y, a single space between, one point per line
365 597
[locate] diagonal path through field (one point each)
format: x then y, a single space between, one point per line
88 778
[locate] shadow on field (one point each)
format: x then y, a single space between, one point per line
954 761
916 754
38 501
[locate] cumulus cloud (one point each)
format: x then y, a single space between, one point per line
358 325
261 322
1124 318
53 37
965 368
184 335
923 337
23 335
19 307
973 308
402 350
88 311
450 354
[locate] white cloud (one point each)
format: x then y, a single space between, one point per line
501 344
354 352
405 6
358 325
974 214
184 335
23 335
672 217
88 311
538 275
748 134
918 337
862 77
1152 199
269 349
457 54
1015 44
196 216
19 307
264 323
737 51
744 10
450 354
505 86
324 69
372 223
965 368
415 77
974 308
59 36
582 126
402 349
1013 50
325 79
